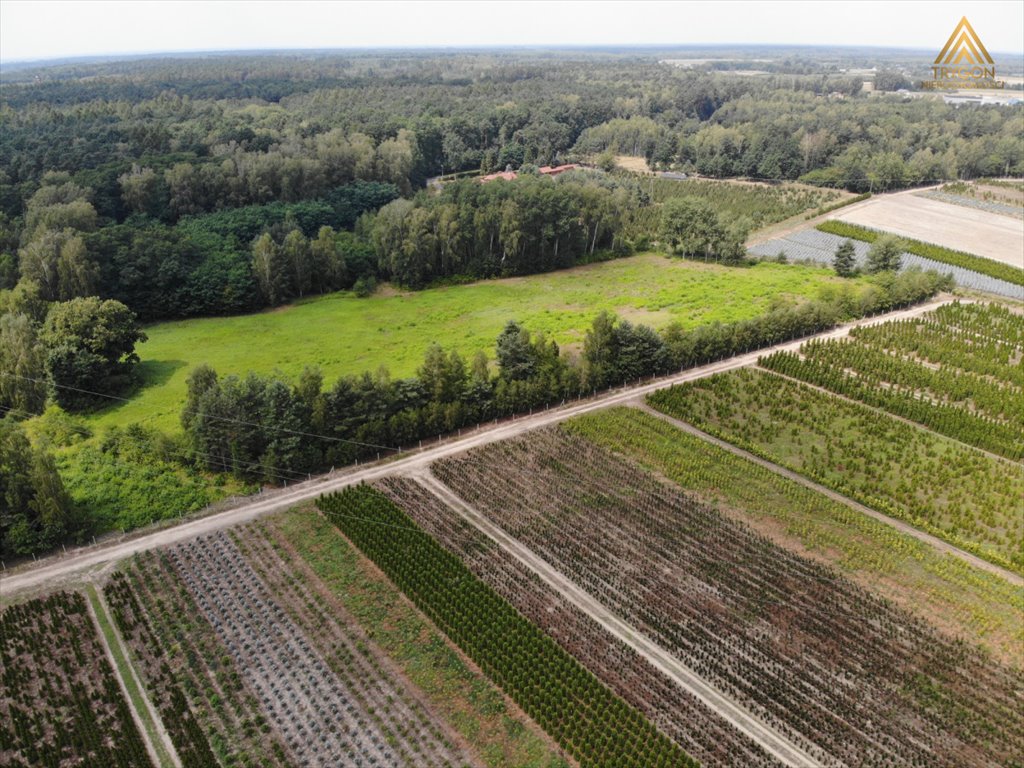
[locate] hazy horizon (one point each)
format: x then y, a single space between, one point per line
40 31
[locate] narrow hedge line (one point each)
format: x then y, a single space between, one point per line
836 206
979 264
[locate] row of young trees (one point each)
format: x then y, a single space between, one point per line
260 427
999 270
587 719
62 702
941 486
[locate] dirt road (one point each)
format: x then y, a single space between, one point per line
774 742
147 719
933 541
799 222
56 571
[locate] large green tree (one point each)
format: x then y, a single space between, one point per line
691 227
516 359
91 349
36 512
22 365
271 269
885 255
845 261
58 262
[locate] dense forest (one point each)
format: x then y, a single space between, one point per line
151 181
162 188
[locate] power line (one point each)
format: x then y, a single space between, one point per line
227 463
299 433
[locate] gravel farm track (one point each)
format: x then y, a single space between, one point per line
72 568
85 564
773 741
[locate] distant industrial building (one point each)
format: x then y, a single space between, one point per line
998 98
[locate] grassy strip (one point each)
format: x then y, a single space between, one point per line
395 330
127 674
969 261
836 206
905 471
141 644
462 696
570 703
964 600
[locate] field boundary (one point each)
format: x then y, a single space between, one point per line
799 222
883 412
151 728
983 265
67 567
773 742
934 541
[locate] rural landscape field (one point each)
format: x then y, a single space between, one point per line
477 401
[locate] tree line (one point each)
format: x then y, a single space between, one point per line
863 145
178 138
200 265
531 224
151 188
264 428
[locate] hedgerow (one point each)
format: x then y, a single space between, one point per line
985 266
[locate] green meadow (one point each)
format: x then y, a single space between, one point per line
343 334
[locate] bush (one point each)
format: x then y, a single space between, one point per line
365 286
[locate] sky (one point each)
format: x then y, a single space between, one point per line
44 29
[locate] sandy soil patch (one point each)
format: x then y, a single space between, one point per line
632 163
991 235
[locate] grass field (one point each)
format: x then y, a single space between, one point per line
346 335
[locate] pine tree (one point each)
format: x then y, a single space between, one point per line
885 255
845 260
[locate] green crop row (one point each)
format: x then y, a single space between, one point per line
969 261
589 721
